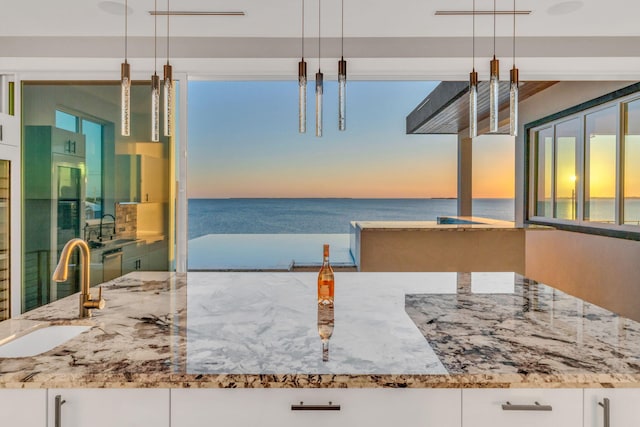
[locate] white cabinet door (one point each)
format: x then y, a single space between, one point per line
273 407
24 408
110 407
484 407
624 407
10 131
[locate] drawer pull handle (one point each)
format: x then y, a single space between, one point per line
303 407
607 411
58 411
536 407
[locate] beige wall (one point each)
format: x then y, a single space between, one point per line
601 270
442 250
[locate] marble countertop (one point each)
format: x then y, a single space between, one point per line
390 330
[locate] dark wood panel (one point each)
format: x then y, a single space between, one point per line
454 116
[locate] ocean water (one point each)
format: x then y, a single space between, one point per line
322 216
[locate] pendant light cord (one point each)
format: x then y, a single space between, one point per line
167 32
155 36
126 26
319 55
514 33
473 38
494 28
342 33
302 40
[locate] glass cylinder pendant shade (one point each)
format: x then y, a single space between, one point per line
302 96
155 108
473 104
513 103
342 94
125 100
167 110
319 103
494 87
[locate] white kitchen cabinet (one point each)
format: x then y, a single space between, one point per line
484 407
9 130
9 121
24 408
133 256
273 407
110 407
624 407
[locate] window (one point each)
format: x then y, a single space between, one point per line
93 132
631 160
82 179
66 121
600 166
567 136
582 167
545 173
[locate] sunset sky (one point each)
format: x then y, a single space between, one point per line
244 142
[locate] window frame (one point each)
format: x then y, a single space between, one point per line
616 99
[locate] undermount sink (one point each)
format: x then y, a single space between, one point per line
40 340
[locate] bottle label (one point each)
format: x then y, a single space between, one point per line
325 291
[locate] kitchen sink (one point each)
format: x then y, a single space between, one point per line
40 340
118 241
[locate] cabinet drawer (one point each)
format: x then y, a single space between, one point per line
484 407
624 407
24 408
110 407
273 407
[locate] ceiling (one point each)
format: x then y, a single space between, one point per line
363 18
400 38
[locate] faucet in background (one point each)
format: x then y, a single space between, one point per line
61 274
114 226
87 236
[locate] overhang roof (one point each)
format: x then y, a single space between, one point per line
446 109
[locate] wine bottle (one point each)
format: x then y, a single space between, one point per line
325 279
325 327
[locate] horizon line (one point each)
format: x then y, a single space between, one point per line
346 198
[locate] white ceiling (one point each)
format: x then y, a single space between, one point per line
559 40
281 18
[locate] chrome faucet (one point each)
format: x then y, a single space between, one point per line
61 274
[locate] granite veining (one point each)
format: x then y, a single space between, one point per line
529 329
259 330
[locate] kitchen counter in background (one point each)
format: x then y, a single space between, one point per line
449 244
391 330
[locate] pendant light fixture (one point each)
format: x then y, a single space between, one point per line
302 85
513 92
342 81
473 83
319 83
125 82
155 83
168 88
494 81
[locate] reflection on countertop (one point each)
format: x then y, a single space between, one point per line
260 330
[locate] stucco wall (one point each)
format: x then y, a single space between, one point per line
601 270
442 250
